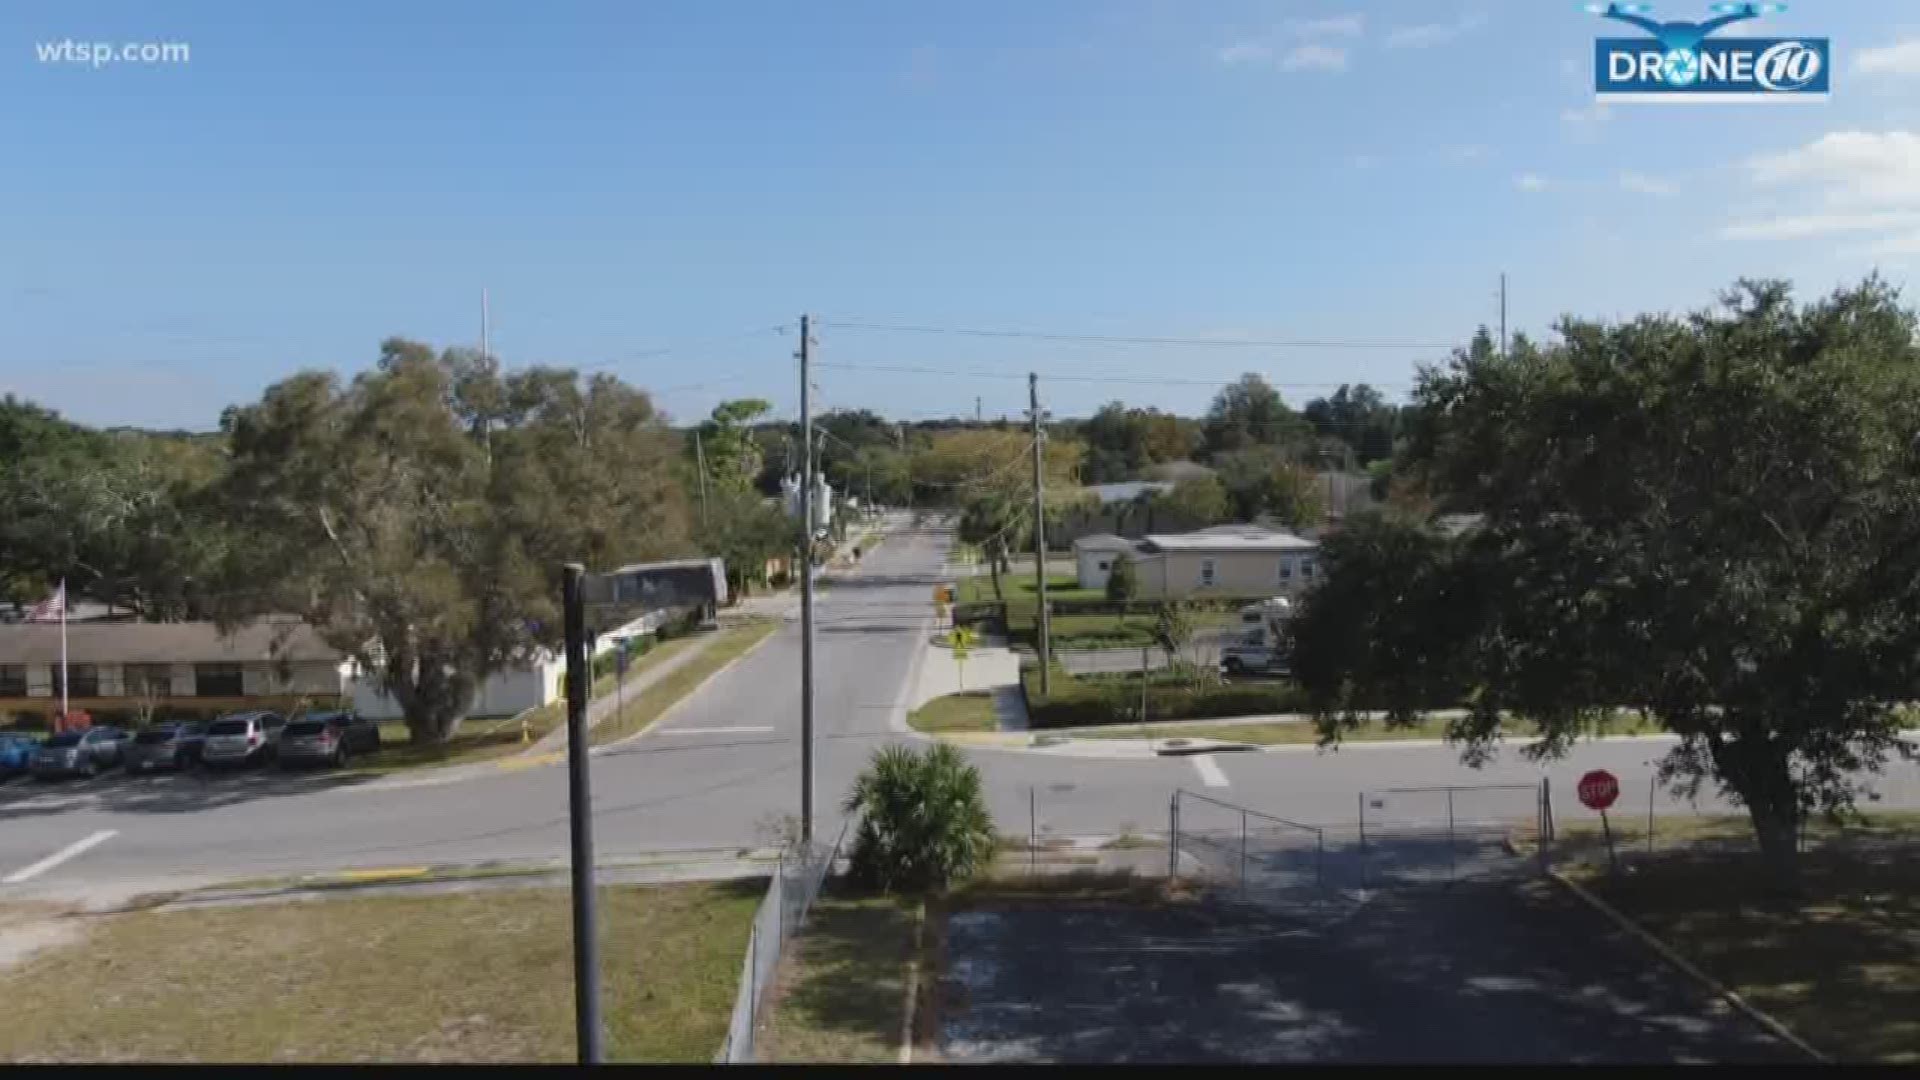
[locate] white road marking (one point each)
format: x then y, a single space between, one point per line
78 847
1209 771
716 731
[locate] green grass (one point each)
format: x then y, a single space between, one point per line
975 590
487 739
842 990
1303 732
1840 967
482 976
640 713
970 710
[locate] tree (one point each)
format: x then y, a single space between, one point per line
1123 442
746 530
425 540
924 825
733 455
1173 629
1123 581
1264 480
1359 418
1191 504
1713 519
1251 413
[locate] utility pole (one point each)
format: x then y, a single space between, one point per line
1503 316
700 462
806 586
1045 621
976 408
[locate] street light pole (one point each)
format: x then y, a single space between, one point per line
586 950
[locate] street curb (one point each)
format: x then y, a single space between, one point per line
684 698
1687 967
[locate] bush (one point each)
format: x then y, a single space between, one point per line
924 825
1096 700
1122 580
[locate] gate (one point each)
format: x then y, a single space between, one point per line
1429 835
1246 850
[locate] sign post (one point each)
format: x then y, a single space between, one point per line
1598 790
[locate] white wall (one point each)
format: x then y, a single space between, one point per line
1092 568
505 693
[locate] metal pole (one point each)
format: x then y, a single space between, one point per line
1362 797
1243 850
1173 833
1453 851
1319 859
1033 830
700 465
1503 316
1144 651
806 588
586 944
1044 622
1653 783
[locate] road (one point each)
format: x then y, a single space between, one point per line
721 771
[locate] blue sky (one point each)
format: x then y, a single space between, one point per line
624 177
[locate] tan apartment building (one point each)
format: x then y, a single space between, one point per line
1223 561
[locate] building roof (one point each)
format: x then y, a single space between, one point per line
1455 524
1225 538
1103 542
1128 490
278 638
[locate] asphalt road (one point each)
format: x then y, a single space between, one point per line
724 768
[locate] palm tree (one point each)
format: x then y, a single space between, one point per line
923 821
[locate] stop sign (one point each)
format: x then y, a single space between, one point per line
1598 789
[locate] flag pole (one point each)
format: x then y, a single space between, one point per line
64 685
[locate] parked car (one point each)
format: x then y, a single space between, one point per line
243 738
16 754
329 738
1253 655
167 746
80 753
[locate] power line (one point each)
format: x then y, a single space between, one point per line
903 369
1118 339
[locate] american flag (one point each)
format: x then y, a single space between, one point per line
50 609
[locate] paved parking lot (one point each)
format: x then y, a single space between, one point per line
1481 972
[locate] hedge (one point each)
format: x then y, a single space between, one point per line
1092 701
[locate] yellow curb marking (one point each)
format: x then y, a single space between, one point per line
384 873
1666 953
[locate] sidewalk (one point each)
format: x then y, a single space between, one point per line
990 666
600 708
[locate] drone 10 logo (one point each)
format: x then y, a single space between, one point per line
1679 62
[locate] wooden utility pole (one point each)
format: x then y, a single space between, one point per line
806 587
1503 316
1044 621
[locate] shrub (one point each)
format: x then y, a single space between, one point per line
923 821
1122 580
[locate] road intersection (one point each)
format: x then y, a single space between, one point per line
721 771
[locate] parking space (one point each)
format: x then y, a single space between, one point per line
1480 972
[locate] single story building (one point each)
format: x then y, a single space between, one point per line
1225 560
1093 558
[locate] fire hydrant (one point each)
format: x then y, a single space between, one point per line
526 732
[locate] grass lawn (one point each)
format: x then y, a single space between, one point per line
477 976
643 710
486 739
842 990
970 710
1841 968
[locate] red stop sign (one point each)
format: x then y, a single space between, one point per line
1598 789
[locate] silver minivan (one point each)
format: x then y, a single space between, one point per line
243 738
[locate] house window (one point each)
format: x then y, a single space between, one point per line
1286 570
148 680
13 680
217 680
86 680
1108 565
1206 571
1306 568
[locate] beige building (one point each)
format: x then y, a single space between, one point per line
1224 561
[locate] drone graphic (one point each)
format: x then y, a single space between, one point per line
1681 36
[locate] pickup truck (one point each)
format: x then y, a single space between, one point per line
1251 655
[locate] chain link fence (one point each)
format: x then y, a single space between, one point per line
1236 848
796 882
1434 835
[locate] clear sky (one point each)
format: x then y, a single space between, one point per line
627 176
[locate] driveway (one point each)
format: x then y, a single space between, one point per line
1482 972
